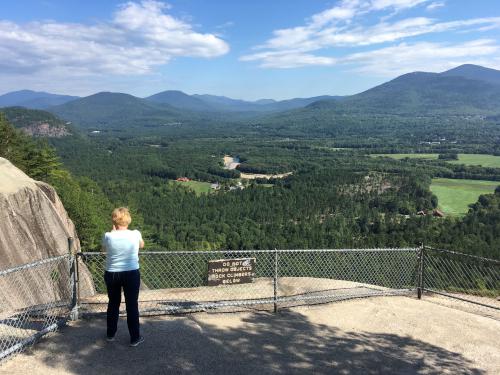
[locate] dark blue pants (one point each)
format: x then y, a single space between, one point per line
130 282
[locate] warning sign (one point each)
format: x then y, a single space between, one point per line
231 271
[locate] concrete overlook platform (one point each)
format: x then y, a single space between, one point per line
363 336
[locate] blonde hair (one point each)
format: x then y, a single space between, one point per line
121 217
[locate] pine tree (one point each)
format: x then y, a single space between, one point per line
12 143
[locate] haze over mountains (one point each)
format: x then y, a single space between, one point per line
221 103
464 90
175 98
33 99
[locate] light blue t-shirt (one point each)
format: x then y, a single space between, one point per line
122 250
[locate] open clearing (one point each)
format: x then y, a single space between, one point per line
381 335
198 187
488 161
455 195
478 159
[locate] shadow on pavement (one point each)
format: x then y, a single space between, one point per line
254 343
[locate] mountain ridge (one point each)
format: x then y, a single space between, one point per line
464 91
107 108
476 72
457 91
207 102
179 99
33 99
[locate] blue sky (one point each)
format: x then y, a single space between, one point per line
243 49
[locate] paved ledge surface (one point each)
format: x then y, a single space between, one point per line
377 335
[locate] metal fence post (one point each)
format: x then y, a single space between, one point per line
420 286
73 280
275 283
77 282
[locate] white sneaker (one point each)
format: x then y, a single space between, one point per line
137 342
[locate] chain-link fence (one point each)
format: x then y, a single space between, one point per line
467 279
178 281
35 299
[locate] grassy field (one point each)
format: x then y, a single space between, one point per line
410 156
467 159
455 195
197 186
478 159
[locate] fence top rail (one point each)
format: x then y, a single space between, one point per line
33 264
489 260
187 252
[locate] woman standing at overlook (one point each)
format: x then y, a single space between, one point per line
122 271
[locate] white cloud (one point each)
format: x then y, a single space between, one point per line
435 5
434 57
394 60
288 59
395 4
347 10
337 29
138 38
305 40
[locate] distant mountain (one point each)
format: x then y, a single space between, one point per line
476 72
180 100
225 104
302 102
462 91
107 109
414 99
33 99
36 122
118 110
422 93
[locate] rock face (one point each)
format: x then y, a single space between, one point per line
43 129
34 226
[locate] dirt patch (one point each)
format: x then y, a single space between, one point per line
231 162
253 176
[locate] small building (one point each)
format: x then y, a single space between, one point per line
421 213
183 179
215 186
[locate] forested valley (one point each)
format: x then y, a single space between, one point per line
320 176
336 196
